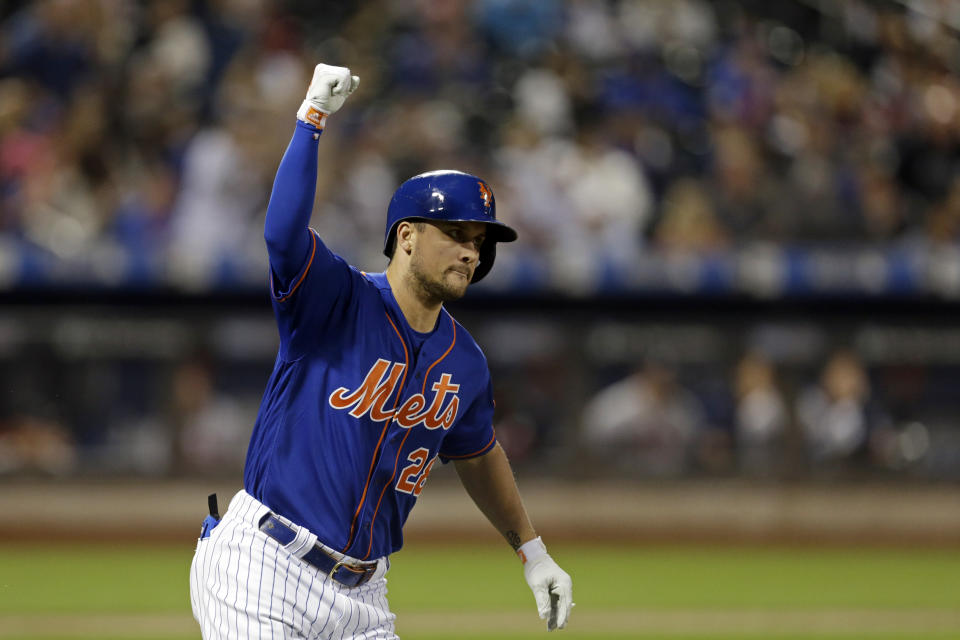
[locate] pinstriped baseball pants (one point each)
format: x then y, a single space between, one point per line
244 584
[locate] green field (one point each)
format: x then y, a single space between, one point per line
470 593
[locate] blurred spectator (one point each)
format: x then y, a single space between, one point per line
212 428
515 427
761 417
746 196
220 196
688 222
836 414
36 445
520 28
646 423
56 43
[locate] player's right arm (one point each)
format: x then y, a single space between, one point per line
489 481
286 231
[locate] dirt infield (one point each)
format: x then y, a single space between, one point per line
640 622
605 511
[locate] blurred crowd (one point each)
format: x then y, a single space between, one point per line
753 416
138 140
833 422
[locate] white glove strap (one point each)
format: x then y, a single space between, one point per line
532 550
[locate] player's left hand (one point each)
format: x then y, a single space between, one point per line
328 90
552 587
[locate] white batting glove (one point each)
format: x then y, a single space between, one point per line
328 90
550 584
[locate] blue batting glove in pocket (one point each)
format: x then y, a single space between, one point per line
211 521
207 526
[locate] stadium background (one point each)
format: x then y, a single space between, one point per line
725 345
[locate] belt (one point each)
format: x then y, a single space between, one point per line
346 574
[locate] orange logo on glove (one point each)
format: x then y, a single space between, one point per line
316 117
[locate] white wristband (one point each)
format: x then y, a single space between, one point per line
531 550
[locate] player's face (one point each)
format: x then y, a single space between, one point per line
444 258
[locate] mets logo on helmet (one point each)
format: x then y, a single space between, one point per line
487 196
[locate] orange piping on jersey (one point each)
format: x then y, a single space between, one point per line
426 376
475 453
306 269
384 490
400 448
383 434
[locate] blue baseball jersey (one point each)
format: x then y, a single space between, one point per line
359 406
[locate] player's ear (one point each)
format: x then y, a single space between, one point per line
405 232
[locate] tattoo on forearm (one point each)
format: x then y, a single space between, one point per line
513 538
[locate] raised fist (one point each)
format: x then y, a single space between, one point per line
328 90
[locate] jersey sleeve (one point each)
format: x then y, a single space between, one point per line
312 309
291 204
473 434
309 285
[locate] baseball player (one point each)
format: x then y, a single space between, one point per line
373 383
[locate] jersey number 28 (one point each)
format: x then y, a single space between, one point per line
409 481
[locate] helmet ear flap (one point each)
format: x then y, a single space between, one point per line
488 253
390 244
